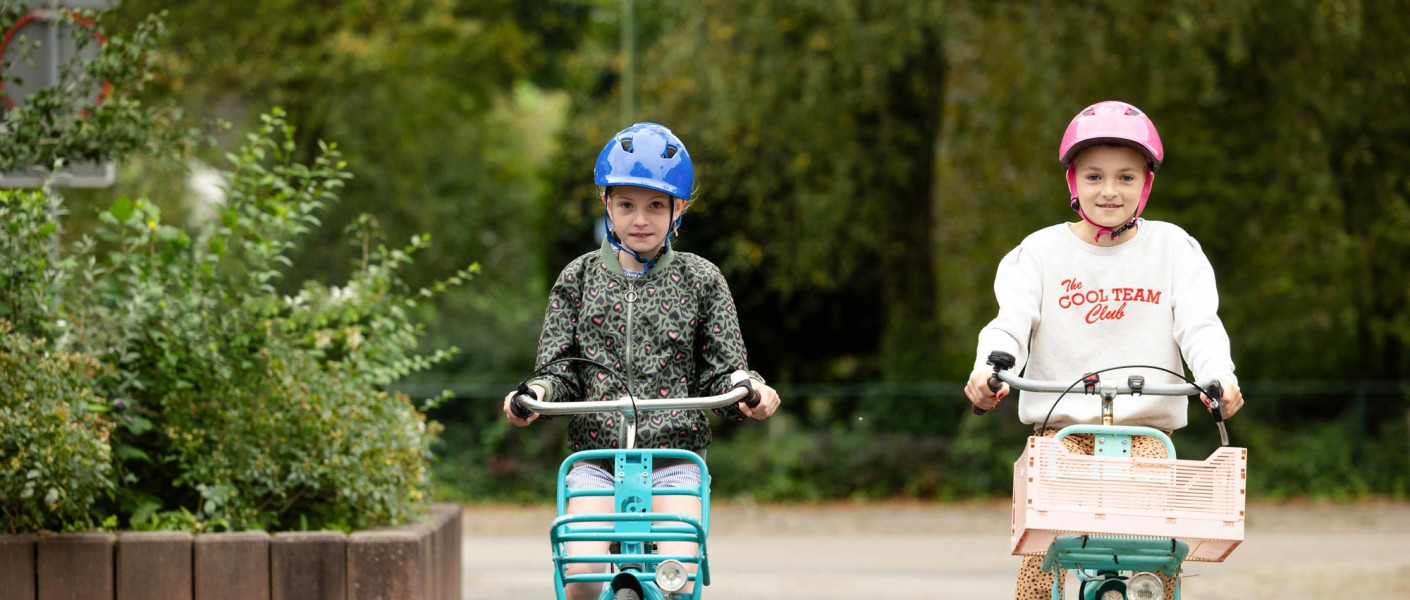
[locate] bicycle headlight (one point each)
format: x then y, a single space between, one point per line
671 575
1145 586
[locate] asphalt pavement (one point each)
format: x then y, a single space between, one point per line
900 551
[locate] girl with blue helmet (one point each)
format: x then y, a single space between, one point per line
663 320
643 161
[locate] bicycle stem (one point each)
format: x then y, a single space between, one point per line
1108 391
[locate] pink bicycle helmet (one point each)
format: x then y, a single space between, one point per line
1111 122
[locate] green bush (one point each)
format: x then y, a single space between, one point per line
54 455
784 460
267 411
857 463
29 276
299 445
1329 460
238 407
233 404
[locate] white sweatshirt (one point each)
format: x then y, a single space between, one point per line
1068 307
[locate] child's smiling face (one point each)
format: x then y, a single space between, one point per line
642 217
1109 183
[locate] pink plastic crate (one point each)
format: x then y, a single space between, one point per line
1200 502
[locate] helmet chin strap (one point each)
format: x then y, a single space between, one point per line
1103 229
616 241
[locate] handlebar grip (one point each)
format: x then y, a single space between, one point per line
994 386
517 407
1215 394
1001 361
751 400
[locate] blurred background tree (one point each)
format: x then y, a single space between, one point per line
448 107
863 165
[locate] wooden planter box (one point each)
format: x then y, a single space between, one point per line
420 561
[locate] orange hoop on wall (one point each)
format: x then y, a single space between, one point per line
33 16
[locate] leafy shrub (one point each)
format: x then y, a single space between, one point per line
786 459
482 457
298 445
54 455
858 463
240 407
266 410
234 406
28 274
1330 460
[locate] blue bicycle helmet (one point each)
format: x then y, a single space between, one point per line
646 155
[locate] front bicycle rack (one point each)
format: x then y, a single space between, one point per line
633 525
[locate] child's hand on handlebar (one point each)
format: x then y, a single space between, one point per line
768 403
1233 398
538 390
978 390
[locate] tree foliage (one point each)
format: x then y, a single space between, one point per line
442 104
812 120
863 166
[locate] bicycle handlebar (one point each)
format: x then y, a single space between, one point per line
525 403
1058 387
1213 391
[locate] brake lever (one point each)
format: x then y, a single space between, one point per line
1215 401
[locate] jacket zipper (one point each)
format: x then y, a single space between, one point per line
631 305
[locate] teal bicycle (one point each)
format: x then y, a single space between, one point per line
1113 519
636 570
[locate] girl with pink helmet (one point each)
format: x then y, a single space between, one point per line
1111 123
1109 289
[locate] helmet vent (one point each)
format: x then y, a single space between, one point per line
670 151
626 144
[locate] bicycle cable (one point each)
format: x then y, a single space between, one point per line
615 375
1098 372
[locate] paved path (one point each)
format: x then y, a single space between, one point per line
926 551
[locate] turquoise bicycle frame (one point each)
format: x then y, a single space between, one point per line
633 525
1102 562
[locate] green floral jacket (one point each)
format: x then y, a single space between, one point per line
672 333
